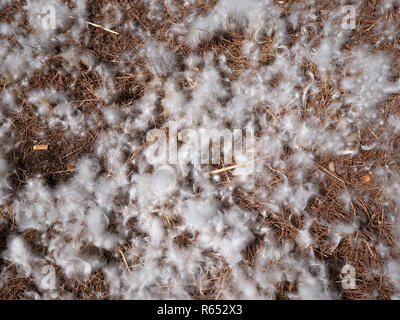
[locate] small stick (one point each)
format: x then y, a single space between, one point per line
123 258
138 150
231 167
333 175
40 147
64 171
97 26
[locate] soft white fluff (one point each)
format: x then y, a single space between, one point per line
136 209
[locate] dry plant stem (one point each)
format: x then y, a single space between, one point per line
98 26
240 165
124 259
40 147
333 175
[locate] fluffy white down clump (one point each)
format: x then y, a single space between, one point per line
124 202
